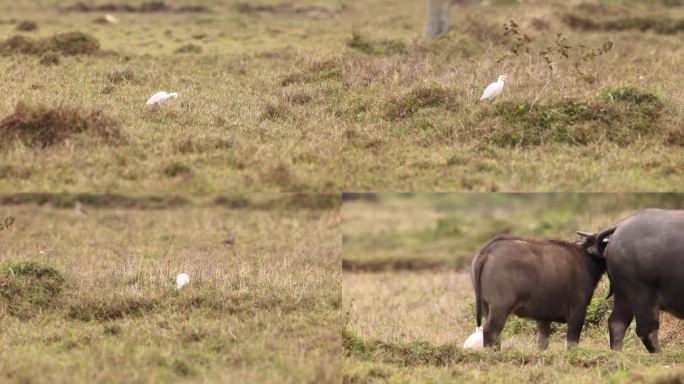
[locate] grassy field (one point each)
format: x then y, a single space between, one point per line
322 95
87 291
567 129
407 321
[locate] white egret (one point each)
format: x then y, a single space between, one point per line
182 280
494 89
475 341
160 97
111 19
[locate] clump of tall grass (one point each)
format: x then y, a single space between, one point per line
43 126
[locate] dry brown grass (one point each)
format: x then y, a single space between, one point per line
44 126
68 44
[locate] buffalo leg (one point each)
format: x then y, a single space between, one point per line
543 332
619 321
647 324
496 319
575 324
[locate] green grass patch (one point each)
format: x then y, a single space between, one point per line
409 354
622 115
27 287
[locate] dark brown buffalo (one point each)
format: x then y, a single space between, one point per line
543 280
645 261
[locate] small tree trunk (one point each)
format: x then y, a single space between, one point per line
438 17
446 13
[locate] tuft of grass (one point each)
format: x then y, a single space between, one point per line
189 48
315 72
585 358
26 26
73 43
68 44
43 126
408 354
622 116
109 308
176 169
275 111
368 46
26 287
117 76
418 98
49 58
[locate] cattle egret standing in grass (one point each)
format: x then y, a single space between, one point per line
494 89
182 280
160 97
475 341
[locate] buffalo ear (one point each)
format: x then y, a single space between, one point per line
594 251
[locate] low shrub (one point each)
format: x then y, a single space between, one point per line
26 287
421 97
67 44
44 126
622 115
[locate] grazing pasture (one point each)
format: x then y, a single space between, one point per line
408 303
329 95
88 289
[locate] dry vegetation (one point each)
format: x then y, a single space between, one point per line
322 95
409 325
87 289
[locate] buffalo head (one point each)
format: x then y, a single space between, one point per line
593 244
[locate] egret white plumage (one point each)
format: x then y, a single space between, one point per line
182 280
494 89
160 97
475 341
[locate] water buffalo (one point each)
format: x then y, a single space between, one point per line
645 261
543 280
